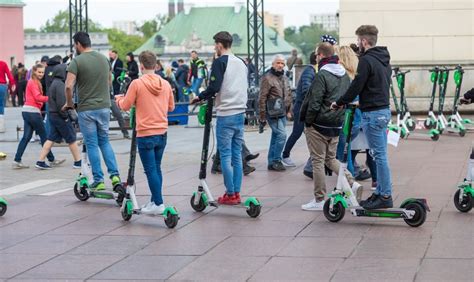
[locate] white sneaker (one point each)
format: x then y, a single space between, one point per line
154 209
147 205
57 162
19 165
357 190
288 162
313 206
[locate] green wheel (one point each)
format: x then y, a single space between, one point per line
411 124
420 214
171 220
466 203
3 209
127 210
337 212
201 206
254 210
435 137
462 132
81 193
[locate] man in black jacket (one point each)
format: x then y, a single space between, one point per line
132 66
372 84
117 67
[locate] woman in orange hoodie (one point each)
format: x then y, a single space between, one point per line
153 99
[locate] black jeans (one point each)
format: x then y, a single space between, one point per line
298 128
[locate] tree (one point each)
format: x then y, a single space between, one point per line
122 42
150 27
307 37
30 30
60 23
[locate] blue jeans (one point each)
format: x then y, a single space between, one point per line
374 125
3 97
298 128
32 122
94 125
196 85
230 136
277 141
151 150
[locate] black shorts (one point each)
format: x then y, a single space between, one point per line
60 129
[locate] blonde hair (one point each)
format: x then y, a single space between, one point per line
168 72
348 59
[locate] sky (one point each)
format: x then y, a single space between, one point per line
296 12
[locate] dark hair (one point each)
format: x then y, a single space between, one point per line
132 57
194 51
147 59
325 49
114 51
312 58
180 61
82 38
224 38
369 33
158 63
44 59
354 48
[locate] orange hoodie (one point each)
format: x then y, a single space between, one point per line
153 99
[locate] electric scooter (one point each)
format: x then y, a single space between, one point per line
82 188
399 127
463 198
130 206
455 122
203 198
3 206
412 211
432 121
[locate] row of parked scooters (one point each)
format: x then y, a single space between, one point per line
434 124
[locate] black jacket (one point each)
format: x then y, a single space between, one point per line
118 67
49 71
56 91
372 82
132 68
469 94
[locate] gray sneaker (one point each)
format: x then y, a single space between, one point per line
19 165
57 162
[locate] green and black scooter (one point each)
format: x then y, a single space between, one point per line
203 198
431 122
443 123
130 205
455 122
463 198
412 211
3 206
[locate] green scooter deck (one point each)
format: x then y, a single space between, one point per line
391 212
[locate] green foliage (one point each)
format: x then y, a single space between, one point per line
124 43
60 23
150 27
30 30
306 38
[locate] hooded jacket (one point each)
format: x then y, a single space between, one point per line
56 91
153 99
49 71
330 83
372 82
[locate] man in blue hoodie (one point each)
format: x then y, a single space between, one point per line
372 84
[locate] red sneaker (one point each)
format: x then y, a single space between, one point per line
227 200
237 196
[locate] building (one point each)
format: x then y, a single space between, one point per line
128 27
419 34
11 31
274 21
194 31
329 21
51 44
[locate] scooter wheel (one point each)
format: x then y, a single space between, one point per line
411 125
462 133
465 205
121 193
3 209
126 211
81 193
337 212
171 220
201 206
427 124
435 137
420 214
254 210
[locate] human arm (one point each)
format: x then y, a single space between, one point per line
356 87
217 77
126 102
314 99
265 88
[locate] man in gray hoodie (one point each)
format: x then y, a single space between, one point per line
323 125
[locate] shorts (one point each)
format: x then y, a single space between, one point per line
60 129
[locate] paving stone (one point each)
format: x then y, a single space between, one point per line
445 270
272 228
14 264
450 248
320 247
401 248
113 245
251 246
49 244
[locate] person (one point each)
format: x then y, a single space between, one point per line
275 98
60 124
197 72
92 72
117 68
33 121
182 80
228 83
247 156
306 78
6 79
159 69
252 71
153 99
372 84
21 84
132 66
323 124
169 76
293 59
49 71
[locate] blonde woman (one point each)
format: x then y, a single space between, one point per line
349 60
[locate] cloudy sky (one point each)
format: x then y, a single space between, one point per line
296 12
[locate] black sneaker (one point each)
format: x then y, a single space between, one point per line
363 175
42 165
248 169
277 166
251 157
308 173
379 203
369 199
